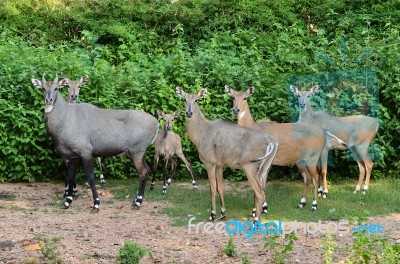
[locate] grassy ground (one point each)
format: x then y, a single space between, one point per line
383 198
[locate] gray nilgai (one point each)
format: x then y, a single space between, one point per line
74 88
302 144
224 144
83 131
167 144
357 131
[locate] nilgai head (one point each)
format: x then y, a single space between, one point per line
304 96
74 87
239 100
168 118
190 99
49 88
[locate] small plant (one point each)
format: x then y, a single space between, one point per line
230 249
372 249
279 248
132 253
245 258
328 244
49 249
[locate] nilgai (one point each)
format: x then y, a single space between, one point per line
357 131
305 145
224 144
83 131
167 144
74 88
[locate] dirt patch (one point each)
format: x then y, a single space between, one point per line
32 211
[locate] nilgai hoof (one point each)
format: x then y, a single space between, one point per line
135 206
300 206
95 210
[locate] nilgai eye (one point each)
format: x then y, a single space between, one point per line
245 98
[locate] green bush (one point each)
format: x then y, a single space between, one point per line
131 253
135 53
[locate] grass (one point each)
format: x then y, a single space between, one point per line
282 197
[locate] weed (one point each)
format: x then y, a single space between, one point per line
131 253
49 249
230 248
279 248
372 249
328 244
245 258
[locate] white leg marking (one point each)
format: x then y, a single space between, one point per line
304 177
357 188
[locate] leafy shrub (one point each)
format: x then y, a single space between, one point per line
131 253
134 59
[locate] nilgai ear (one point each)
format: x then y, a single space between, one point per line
179 91
64 76
294 90
314 89
37 83
251 90
202 93
84 79
159 113
229 90
62 83
176 113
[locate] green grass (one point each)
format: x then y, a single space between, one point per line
282 198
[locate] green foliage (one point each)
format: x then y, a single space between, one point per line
328 244
131 253
244 257
372 249
50 249
136 52
281 246
230 248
